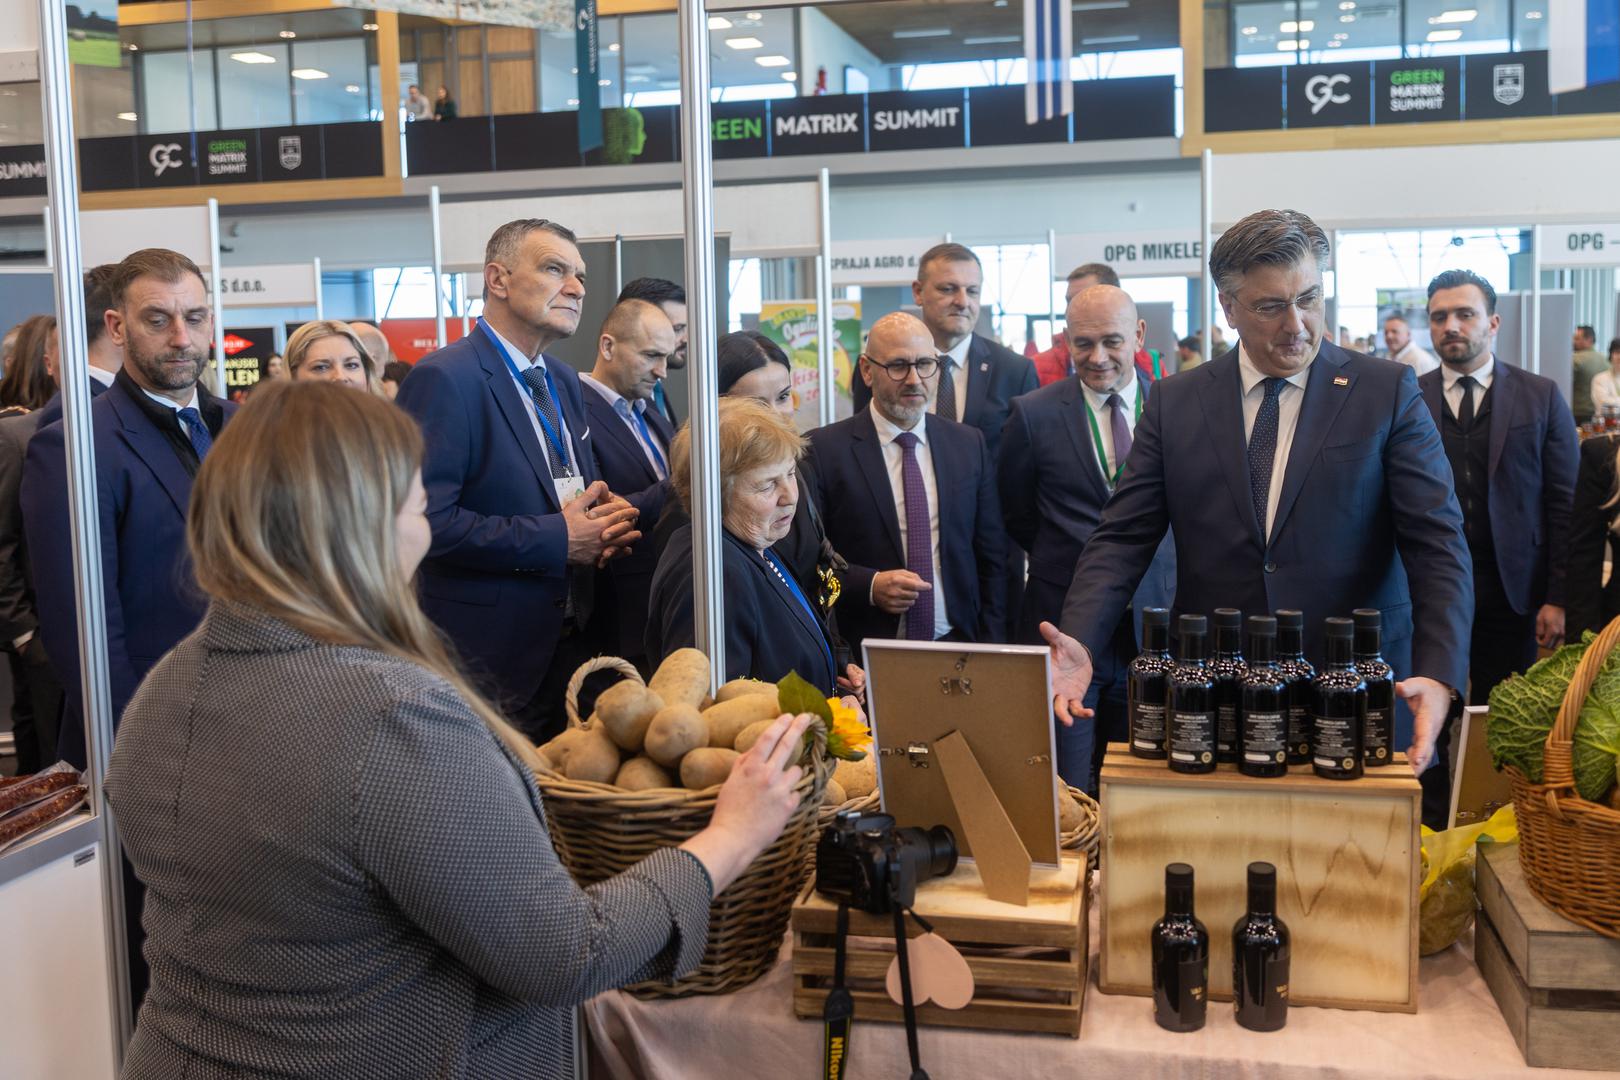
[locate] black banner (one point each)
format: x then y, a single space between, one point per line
22 171
229 157
832 124
917 120
739 129
1142 108
1418 91
996 118
1329 95
1243 99
348 150
165 160
465 145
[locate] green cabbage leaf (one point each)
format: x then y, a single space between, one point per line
1524 708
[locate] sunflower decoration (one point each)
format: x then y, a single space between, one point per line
847 733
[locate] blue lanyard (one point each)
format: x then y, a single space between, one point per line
798 594
557 442
646 437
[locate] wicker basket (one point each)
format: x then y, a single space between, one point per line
1569 847
600 830
1085 837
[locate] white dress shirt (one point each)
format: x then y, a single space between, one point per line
105 378
1098 404
1418 359
894 456
1451 385
627 410
957 359
523 363
1604 392
1289 400
168 403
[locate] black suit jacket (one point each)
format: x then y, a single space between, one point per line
17 611
1367 516
857 509
1052 497
1533 459
1590 605
996 375
768 633
622 587
50 412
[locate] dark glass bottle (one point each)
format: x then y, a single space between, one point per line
1228 668
1180 956
1379 748
1300 675
1147 686
1260 956
1339 713
1190 733
1263 718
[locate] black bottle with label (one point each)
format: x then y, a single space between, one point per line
1300 675
1339 712
1379 748
1228 669
1180 956
1263 718
1260 956
1190 726
1147 686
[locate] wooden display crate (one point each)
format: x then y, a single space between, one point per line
1557 984
1028 963
1346 853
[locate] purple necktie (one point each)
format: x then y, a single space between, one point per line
1122 434
919 539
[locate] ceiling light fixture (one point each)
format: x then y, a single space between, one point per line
1347 18
1297 27
351 89
604 82
1112 39
288 34
774 60
1532 14
131 117
719 22
1444 35
370 27
925 32
756 16
1348 5
993 39
1291 45
745 43
1462 15
613 47
252 58
309 73
1251 29
790 76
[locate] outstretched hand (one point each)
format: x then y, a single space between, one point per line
1071 675
1429 701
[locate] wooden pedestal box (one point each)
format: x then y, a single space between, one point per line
1346 853
1028 963
1557 984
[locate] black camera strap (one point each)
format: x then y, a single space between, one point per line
839 1010
906 1002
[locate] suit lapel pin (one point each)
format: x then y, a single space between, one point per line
984 367
1341 380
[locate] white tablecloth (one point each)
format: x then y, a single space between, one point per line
753 1035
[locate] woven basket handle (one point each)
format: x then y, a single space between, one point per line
1558 767
586 670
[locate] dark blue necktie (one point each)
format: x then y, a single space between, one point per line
1263 451
197 431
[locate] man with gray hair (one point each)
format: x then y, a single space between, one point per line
1292 474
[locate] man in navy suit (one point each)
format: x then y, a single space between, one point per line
1062 452
1293 474
669 298
520 518
632 441
106 356
910 501
1513 453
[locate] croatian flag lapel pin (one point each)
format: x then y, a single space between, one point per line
1341 380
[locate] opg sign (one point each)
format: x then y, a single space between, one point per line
1580 245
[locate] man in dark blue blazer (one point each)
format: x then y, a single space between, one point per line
1513 452
892 465
1293 474
1063 450
632 440
106 356
669 298
520 517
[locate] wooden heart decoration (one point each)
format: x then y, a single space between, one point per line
938 973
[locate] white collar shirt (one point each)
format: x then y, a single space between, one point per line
169 403
105 378
1103 424
523 363
1289 400
633 414
1452 388
894 458
1416 357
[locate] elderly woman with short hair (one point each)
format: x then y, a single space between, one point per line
771 625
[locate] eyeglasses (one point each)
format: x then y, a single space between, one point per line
1308 303
926 367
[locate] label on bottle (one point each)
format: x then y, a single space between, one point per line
1192 735
1226 732
1334 742
1299 729
1194 977
1379 729
1265 737
1147 726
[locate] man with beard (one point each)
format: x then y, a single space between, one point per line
669 298
1513 453
152 428
1062 453
909 500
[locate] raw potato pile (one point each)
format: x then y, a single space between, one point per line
661 735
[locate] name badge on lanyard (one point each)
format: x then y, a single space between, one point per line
568 488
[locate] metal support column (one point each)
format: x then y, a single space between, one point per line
83 515
1051 285
219 298
1206 287
697 184
825 382
1533 355
618 264
320 300
438 267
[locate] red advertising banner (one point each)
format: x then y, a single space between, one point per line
412 339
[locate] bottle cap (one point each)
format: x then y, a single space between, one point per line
1262 626
1156 616
1262 888
1178 875
1340 628
1193 624
1368 619
1228 617
1262 874
1288 619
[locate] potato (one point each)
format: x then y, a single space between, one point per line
676 730
707 766
682 679
625 709
727 719
557 750
1070 814
736 688
642 773
593 757
857 778
750 735
834 795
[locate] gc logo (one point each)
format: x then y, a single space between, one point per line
1324 89
162 157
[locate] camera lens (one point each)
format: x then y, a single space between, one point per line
941 852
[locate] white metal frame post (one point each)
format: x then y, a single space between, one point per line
438 266
1051 282
215 276
1533 355
320 300
697 183
825 381
1206 287
83 515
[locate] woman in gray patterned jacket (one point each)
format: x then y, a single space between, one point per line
347 869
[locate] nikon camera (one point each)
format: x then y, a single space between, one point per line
863 861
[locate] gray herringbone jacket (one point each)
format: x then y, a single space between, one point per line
348 876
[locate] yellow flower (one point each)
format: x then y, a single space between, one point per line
849 736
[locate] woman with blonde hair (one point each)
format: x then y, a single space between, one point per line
347 869
332 351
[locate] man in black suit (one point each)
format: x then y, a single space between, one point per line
1513 453
1293 474
1063 450
106 355
669 298
632 448
885 471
